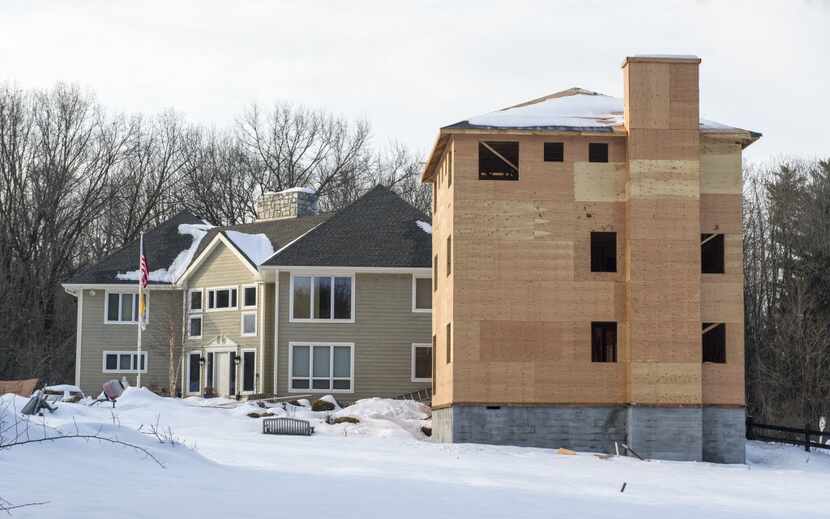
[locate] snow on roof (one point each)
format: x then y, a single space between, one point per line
307 190
172 273
256 246
575 108
426 227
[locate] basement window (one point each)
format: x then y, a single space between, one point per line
603 252
598 152
498 160
554 152
714 342
603 342
712 253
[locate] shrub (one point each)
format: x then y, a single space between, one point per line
322 405
255 414
426 430
345 419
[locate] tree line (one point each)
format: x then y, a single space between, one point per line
786 220
77 182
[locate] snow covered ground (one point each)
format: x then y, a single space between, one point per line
381 467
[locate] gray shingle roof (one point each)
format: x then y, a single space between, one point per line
161 246
377 230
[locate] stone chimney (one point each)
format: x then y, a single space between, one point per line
289 203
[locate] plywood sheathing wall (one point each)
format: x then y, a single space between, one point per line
663 241
524 296
521 297
442 300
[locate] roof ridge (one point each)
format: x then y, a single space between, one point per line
573 91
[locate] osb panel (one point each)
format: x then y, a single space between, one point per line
665 383
648 89
526 341
538 300
665 341
720 168
724 383
720 213
664 178
663 219
721 301
541 382
666 260
663 144
684 93
599 182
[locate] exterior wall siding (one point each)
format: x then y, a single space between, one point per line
223 268
98 336
383 332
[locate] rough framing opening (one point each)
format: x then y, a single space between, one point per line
603 342
712 252
714 342
498 160
603 252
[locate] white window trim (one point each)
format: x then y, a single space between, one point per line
331 345
241 300
214 290
242 324
201 327
134 293
118 354
187 374
415 278
415 346
242 371
312 275
189 301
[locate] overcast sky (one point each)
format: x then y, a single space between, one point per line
411 67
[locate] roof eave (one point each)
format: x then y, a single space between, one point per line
744 137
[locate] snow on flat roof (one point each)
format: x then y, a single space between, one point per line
172 273
256 246
667 56
575 108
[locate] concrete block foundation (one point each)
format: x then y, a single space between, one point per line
673 433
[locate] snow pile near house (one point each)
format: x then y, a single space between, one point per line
387 409
577 108
426 227
180 263
256 246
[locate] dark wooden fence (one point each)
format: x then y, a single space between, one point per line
792 435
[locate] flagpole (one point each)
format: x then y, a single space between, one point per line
140 323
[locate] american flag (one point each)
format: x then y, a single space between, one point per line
143 279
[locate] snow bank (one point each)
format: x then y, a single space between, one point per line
256 246
385 408
172 273
426 227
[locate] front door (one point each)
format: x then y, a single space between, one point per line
223 363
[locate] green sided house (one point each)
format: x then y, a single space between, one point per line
295 303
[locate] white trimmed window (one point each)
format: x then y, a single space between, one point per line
248 324
124 362
195 306
421 294
194 327
320 367
122 307
322 298
422 362
249 296
221 298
